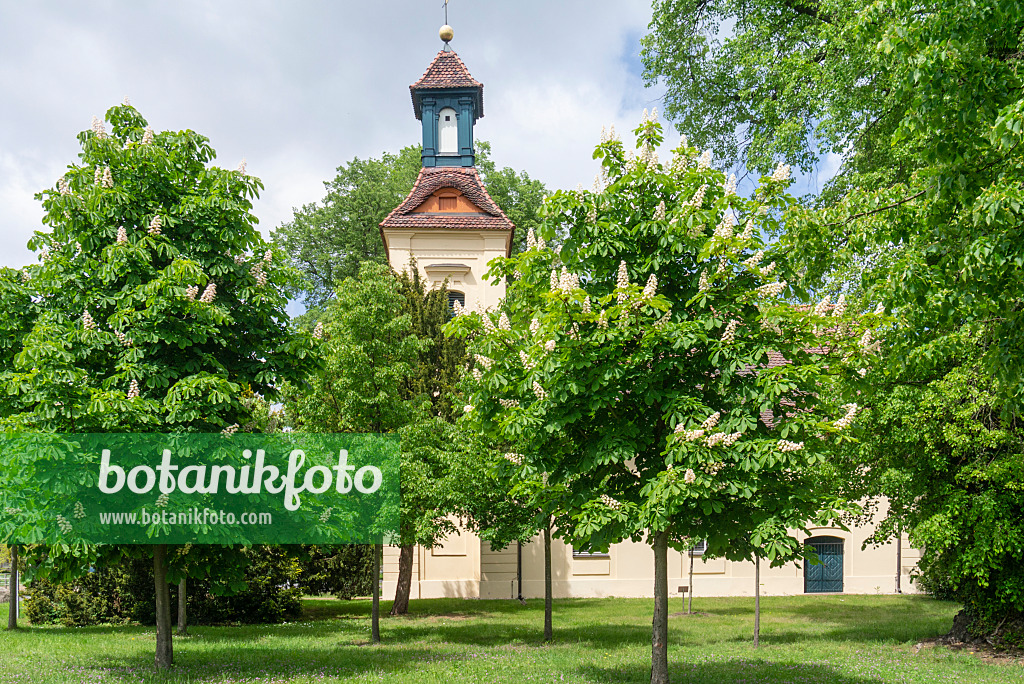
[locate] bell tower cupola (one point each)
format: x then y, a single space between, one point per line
448 101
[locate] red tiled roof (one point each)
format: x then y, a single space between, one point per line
446 71
464 179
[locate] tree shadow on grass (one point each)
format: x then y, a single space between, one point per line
736 670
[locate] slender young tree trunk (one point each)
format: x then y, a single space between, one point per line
689 609
12 616
757 601
548 632
375 616
164 648
899 558
659 625
183 607
401 604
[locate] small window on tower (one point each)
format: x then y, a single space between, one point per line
448 131
448 203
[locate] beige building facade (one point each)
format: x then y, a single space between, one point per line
451 229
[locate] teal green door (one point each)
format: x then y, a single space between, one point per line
826 576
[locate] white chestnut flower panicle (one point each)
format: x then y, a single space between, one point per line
729 185
689 477
514 458
503 322
534 326
64 525
259 274
724 230
123 339
823 307
729 440
748 230
541 244
602 320
87 320
62 186
847 420
122 235
729 335
651 288
664 319
753 261
549 346
586 304
209 293
97 176
767 270
610 502
786 445
488 323
691 435
242 167
712 421
268 256
771 290
714 439
524 358
553 280
162 501
326 515
868 343
79 510
318 330
147 136
704 284
531 239
698 198
483 361
509 403
659 211
239 259
133 389
108 178
191 292
155 226
592 216
539 391
781 172
880 310
477 375
230 430
622 282
840 307
704 161
467 408
12 511
99 128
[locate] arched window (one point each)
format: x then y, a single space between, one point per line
447 132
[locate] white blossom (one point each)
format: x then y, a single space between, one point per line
230 430
880 310
503 322
704 161
122 235
785 445
651 288
242 167
840 308
12 511
326 515
771 289
703 285
730 332
477 375
822 308
610 502
147 136
483 361
622 282
729 186
258 273
698 198
664 319
847 420
767 270
467 408
191 292
781 172
99 128
729 440
724 230
714 439
108 178
318 330
534 326
712 420
553 280
209 293
689 477
123 339
586 304
97 176
87 321
62 185
531 239
524 358
155 226
488 323
239 259
753 261
539 391
63 524
602 320
162 500
592 215
514 458
509 403
748 230
133 389
549 346
541 244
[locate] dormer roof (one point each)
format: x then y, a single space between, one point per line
486 214
446 72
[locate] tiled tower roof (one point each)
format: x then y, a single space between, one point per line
446 72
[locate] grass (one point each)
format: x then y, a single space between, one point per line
820 639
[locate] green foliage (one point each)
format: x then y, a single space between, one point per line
345 571
329 240
119 594
605 382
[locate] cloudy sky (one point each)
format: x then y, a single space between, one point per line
298 88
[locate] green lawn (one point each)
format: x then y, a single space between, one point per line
826 639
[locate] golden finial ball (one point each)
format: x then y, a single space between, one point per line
446 33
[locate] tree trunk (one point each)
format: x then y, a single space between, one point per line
659 625
164 648
183 607
757 601
12 616
548 633
401 604
899 559
689 609
519 570
375 615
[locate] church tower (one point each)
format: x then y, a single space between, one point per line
448 223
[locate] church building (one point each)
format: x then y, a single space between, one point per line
452 228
